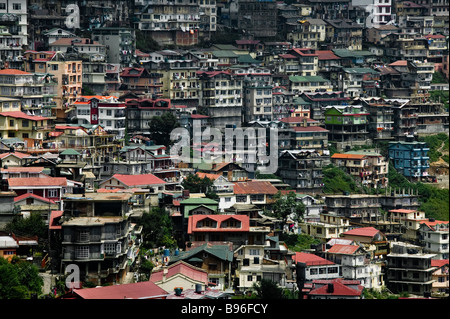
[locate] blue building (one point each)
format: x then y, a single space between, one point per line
410 158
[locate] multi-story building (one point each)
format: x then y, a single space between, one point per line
35 91
10 49
32 129
178 23
18 13
343 34
410 158
222 98
433 237
356 207
302 169
319 100
69 76
307 84
381 119
347 125
299 61
330 225
119 42
409 270
380 11
311 137
368 168
141 81
97 236
257 18
358 81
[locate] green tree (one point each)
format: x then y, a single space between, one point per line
337 181
267 289
19 279
157 228
161 127
31 226
197 184
287 206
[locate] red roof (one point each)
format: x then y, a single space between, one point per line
138 180
310 259
20 169
327 55
434 36
139 290
27 195
403 211
343 249
181 267
340 287
36 181
363 231
16 154
348 156
399 63
212 177
199 116
296 119
254 187
194 219
14 71
53 216
22 115
431 224
439 262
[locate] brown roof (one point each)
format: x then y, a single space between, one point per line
37 181
254 187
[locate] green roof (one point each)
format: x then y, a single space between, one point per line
345 53
200 200
247 58
224 54
300 100
69 151
312 78
220 251
371 153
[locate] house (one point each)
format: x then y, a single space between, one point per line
30 203
198 293
179 274
410 158
372 239
319 100
254 192
315 267
305 84
329 226
19 171
253 265
32 129
302 169
234 228
141 80
98 236
312 137
347 125
408 269
139 290
8 247
336 289
211 261
51 188
368 168
356 265
222 188
433 236
440 276
146 181
12 159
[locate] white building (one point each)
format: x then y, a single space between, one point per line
433 236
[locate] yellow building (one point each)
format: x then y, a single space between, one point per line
32 129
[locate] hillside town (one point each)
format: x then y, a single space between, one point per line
224 149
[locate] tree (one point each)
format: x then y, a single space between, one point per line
157 228
287 206
267 289
196 184
19 279
161 127
31 226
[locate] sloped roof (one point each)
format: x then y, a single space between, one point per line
363 232
16 154
310 129
194 219
348 156
139 290
343 249
22 115
36 181
28 195
139 180
254 187
14 72
310 259
340 287
183 268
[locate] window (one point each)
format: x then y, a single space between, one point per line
249 278
17 6
82 252
52 193
254 252
110 248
